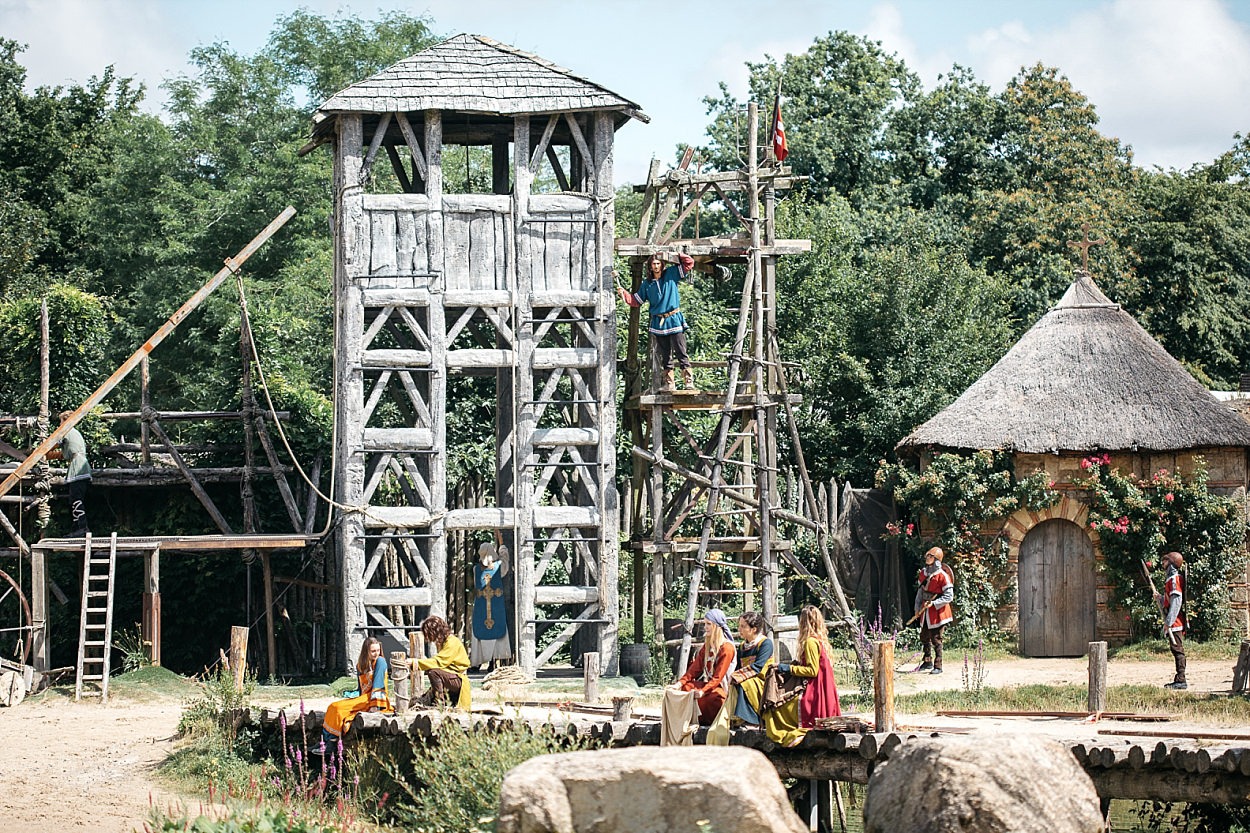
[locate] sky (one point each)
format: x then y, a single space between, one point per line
1170 78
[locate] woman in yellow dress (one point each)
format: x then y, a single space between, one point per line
754 658
448 670
373 693
787 724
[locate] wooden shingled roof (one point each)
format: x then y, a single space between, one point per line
1085 377
475 74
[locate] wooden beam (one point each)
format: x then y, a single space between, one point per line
401 172
378 136
414 147
189 475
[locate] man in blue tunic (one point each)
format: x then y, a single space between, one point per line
667 325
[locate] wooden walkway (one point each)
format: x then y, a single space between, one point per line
184 543
1122 766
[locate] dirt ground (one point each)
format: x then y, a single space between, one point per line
91 767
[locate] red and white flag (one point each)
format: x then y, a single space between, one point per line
780 151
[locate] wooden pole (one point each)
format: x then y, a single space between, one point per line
151 624
145 413
883 685
400 678
590 667
232 265
41 637
416 651
270 642
1097 677
238 655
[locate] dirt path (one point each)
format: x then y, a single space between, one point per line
84 766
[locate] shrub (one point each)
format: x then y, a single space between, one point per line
950 504
1140 519
451 784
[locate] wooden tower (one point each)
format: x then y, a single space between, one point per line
705 487
435 281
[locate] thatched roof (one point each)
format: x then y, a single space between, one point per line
474 74
1086 377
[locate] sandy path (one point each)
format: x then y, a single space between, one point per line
82 766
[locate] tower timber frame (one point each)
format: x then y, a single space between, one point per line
510 285
731 489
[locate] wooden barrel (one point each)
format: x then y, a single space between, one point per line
635 659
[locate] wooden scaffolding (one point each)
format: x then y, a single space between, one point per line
513 285
728 435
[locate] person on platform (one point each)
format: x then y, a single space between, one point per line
490 614
787 724
372 694
933 606
754 657
73 450
667 323
707 674
1172 602
447 671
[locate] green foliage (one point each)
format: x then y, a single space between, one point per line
659 669
957 503
452 784
133 649
243 818
1140 519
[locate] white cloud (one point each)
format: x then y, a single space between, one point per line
70 41
1171 79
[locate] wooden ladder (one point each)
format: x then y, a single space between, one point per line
95 632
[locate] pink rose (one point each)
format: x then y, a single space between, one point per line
1169 497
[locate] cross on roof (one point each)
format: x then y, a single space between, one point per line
1084 246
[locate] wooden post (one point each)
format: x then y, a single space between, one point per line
270 643
883 685
145 411
400 680
590 667
1097 677
238 655
1241 671
622 709
41 637
150 627
416 651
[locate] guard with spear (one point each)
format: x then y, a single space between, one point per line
1171 603
933 608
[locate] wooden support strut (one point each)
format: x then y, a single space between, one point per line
232 265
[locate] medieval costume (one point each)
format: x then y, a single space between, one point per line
788 724
1173 605
447 673
933 604
373 694
708 675
755 656
490 614
667 323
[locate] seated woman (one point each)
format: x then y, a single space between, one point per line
446 671
788 724
712 663
754 657
372 695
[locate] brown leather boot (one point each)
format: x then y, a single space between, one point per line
666 380
687 379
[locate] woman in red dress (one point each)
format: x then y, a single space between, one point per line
709 670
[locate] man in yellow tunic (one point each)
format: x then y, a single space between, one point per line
447 671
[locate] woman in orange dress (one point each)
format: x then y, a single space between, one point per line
373 694
708 673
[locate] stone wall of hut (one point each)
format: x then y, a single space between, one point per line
1228 474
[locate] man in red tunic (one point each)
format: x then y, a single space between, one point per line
933 604
1172 602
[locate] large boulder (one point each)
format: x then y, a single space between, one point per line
646 790
963 785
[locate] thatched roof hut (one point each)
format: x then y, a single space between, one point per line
1085 377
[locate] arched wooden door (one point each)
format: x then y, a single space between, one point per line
1057 590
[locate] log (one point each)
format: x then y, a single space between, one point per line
238 655
1166 785
590 667
883 685
822 765
416 651
1097 699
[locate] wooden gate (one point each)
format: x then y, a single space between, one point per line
1057 590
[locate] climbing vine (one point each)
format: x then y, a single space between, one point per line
956 504
1140 519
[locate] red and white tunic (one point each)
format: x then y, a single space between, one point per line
940 589
1174 588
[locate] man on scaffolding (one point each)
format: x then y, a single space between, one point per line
667 325
73 450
